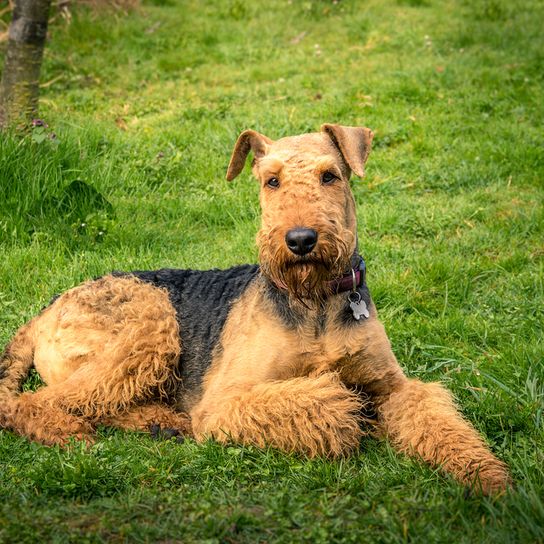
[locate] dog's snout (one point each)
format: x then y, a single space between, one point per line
301 241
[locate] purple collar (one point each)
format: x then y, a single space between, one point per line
350 281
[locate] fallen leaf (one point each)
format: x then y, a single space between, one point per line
298 38
121 123
152 28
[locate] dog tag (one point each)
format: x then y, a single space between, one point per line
358 306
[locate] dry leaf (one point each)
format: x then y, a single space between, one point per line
121 123
298 38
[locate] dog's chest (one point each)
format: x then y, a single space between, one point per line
330 353
258 345
316 348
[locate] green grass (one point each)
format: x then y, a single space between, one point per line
451 225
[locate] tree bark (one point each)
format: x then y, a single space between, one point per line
19 88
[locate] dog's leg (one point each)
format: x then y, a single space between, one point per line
421 418
90 395
29 414
102 348
39 417
141 418
34 416
314 415
74 406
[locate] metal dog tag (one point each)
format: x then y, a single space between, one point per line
358 306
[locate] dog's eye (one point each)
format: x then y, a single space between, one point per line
328 177
273 182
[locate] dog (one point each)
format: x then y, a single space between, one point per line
288 353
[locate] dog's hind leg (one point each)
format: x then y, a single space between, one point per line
312 415
101 348
27 413
34 415
142 418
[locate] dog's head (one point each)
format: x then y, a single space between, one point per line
309 228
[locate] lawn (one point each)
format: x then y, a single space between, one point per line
143 106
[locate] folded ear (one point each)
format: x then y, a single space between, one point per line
249 140
353 142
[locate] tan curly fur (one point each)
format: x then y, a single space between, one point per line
101 348
16 361
140 418
109 349
35 416
316 416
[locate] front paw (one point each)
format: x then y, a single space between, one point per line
491 479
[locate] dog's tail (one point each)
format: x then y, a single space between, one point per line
15 363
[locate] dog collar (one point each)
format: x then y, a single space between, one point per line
350 281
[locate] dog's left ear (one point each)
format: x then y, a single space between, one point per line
249 140
353 142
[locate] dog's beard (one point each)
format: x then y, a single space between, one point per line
306 279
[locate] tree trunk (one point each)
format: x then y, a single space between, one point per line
19 88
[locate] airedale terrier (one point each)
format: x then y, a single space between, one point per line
289 353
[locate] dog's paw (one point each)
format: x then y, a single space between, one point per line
491 480
158 433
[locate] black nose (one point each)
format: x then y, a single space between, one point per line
301 241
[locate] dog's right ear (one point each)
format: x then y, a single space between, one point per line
249 140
